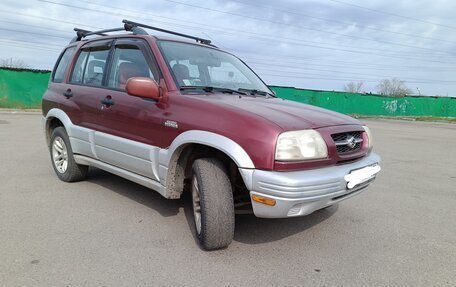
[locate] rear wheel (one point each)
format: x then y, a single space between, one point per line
213 208
62 158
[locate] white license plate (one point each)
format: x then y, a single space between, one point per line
361 175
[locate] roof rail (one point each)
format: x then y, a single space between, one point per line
135 24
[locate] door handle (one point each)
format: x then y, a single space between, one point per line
108 101
68 93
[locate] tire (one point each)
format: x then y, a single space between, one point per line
62 158
213 208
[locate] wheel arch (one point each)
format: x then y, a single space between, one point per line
174 161
55 118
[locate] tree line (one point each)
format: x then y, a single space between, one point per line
387 87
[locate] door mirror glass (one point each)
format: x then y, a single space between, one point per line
143 87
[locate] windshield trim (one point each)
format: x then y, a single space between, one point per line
159 41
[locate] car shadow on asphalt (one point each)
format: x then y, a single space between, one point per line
248 229
134 191
254 230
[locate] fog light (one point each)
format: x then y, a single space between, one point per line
264 200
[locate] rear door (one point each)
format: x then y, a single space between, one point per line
57 88
86 84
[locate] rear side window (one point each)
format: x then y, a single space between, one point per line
90 67
62 65
78 70
95 68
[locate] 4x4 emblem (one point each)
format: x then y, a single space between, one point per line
171 124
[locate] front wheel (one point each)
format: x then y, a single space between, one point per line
62 158
213 207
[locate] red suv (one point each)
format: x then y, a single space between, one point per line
184 116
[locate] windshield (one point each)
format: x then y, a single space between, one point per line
199 66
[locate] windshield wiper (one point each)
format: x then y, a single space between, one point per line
210 89
257 92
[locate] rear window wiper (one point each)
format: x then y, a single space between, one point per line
257 92
210 89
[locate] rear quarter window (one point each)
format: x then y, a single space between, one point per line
62 65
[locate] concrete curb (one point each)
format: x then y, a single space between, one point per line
19 111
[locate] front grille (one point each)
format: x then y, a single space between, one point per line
348 142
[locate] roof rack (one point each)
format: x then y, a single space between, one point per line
131 26
135 24
81 33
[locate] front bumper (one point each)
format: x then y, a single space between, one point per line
299 193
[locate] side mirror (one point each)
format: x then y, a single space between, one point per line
143 87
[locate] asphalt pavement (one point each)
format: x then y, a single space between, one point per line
107 231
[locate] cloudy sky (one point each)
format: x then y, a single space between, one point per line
314 44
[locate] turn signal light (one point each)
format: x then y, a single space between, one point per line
264 200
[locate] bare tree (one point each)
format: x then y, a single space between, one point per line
393 88
353 87
13 63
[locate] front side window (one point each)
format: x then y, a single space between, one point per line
198 66
65 59
128 61
90 67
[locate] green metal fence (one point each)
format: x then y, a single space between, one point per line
24 89
375 105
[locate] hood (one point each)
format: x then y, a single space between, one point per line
289 115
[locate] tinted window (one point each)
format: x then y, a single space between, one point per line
128 61
89 68
62 65
95 68
79 67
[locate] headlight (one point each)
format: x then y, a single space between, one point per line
369 137
300 145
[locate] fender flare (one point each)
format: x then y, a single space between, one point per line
61 116
222 143
168 158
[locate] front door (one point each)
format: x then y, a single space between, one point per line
130 137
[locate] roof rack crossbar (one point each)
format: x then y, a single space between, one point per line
197 39
133 27
104 31
81 33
